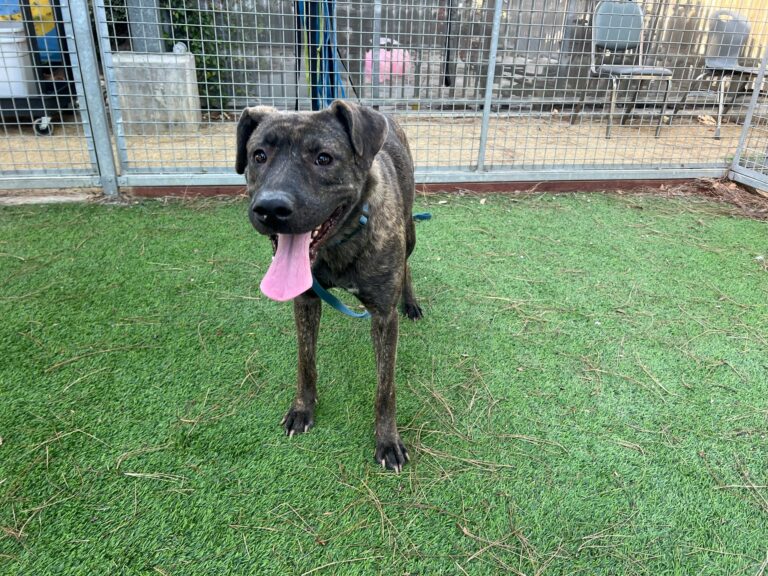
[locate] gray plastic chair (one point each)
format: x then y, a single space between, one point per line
617 28
728 34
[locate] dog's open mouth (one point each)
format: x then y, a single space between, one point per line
290 273
320 234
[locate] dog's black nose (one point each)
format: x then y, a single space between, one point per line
273 205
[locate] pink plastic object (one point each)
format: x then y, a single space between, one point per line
394 63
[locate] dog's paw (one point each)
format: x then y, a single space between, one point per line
297 421
412 311
391 454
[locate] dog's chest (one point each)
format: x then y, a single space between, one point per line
345 281
350 287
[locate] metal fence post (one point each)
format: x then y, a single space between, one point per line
375 53
489 85
108 67
144 22
750 112
94 100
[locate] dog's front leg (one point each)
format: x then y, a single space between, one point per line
301 416
390 452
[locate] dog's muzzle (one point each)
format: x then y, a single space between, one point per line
272 209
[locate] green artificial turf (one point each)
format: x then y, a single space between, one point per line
587 394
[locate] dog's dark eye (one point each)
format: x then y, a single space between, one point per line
323 159
259 156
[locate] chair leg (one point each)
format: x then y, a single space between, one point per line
720 104
577 109
614 94
664 107
695 82
632 102
737 85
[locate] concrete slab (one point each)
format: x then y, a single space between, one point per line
25 198
157 92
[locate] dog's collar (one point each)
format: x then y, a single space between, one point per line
362 221
329 298
326 296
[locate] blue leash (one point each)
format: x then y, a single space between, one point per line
334 302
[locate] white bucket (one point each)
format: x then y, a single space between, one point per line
17 76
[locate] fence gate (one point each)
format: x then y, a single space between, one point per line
491 90
750 164
53 132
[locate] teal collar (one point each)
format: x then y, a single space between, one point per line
329 298
361 222
326 296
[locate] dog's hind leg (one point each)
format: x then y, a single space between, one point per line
409 304
301 416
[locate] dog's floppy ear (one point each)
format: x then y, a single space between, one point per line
367 128
249 119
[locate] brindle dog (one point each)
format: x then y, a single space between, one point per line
310 177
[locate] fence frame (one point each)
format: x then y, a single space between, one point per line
112 170
738 172
102 174
95 110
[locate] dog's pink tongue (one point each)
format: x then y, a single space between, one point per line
290 273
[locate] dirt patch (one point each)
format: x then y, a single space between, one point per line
437 142
733 198
743 200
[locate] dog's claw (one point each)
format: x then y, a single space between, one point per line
412 311
391 454
297 422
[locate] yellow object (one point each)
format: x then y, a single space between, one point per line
42 14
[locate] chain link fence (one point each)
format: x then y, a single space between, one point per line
147 92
